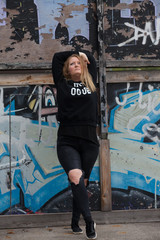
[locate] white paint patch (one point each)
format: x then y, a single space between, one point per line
3 14
49 10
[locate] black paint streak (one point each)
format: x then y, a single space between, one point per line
25 21
8 49
63 201
79 41
133 199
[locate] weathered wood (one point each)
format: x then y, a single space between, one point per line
105 176
25 79
132 76
30 66
123 63
38 78
63 219
102 70
27 66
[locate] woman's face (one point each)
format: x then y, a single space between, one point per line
74 68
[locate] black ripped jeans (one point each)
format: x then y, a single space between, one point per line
78 153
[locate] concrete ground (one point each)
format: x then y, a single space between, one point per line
114 225
134 231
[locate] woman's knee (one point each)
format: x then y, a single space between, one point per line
74 176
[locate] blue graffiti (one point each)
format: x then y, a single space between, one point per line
143 144
135 180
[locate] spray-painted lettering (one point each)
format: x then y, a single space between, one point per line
144 33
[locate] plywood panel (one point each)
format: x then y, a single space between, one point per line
132 76
26 79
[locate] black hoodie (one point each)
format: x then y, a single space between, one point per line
77 105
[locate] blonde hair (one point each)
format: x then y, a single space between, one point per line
85 78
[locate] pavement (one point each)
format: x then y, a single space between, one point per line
134 231
114 225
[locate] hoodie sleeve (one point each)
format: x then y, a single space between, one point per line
92 67
58 61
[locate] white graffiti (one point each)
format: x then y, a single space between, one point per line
151 101
152 131
132 121
150 105
149 130
3 13
15 164
145 105
125 98
144 33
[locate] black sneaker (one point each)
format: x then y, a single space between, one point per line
75 228
91 230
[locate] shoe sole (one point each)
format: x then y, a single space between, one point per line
95 233
77 233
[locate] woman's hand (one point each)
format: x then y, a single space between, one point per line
84 57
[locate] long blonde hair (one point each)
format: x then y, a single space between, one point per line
85 78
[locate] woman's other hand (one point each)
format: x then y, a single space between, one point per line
84 57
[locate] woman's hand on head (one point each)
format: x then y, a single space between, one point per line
84 57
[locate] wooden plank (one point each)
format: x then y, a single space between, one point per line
64 219
141 63
25 79
132 76
105 176
30 66
102 70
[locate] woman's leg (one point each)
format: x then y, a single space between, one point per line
75 218
89 154
76 177
71 159
81 196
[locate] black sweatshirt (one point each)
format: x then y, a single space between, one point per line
77 105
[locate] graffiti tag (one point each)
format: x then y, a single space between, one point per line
150 104
148 31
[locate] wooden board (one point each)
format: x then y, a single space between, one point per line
25 79
105 176
132 76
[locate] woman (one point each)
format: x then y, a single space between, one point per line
75 77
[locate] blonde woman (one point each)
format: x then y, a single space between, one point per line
75 77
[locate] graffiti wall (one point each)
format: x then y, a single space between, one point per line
134 118
132 29
31 178
32 30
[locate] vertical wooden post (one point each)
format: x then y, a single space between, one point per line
105 170
102 70
105 176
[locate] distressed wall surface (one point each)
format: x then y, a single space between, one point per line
131 30
119 33
134 116
132 39
32 31
31 178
